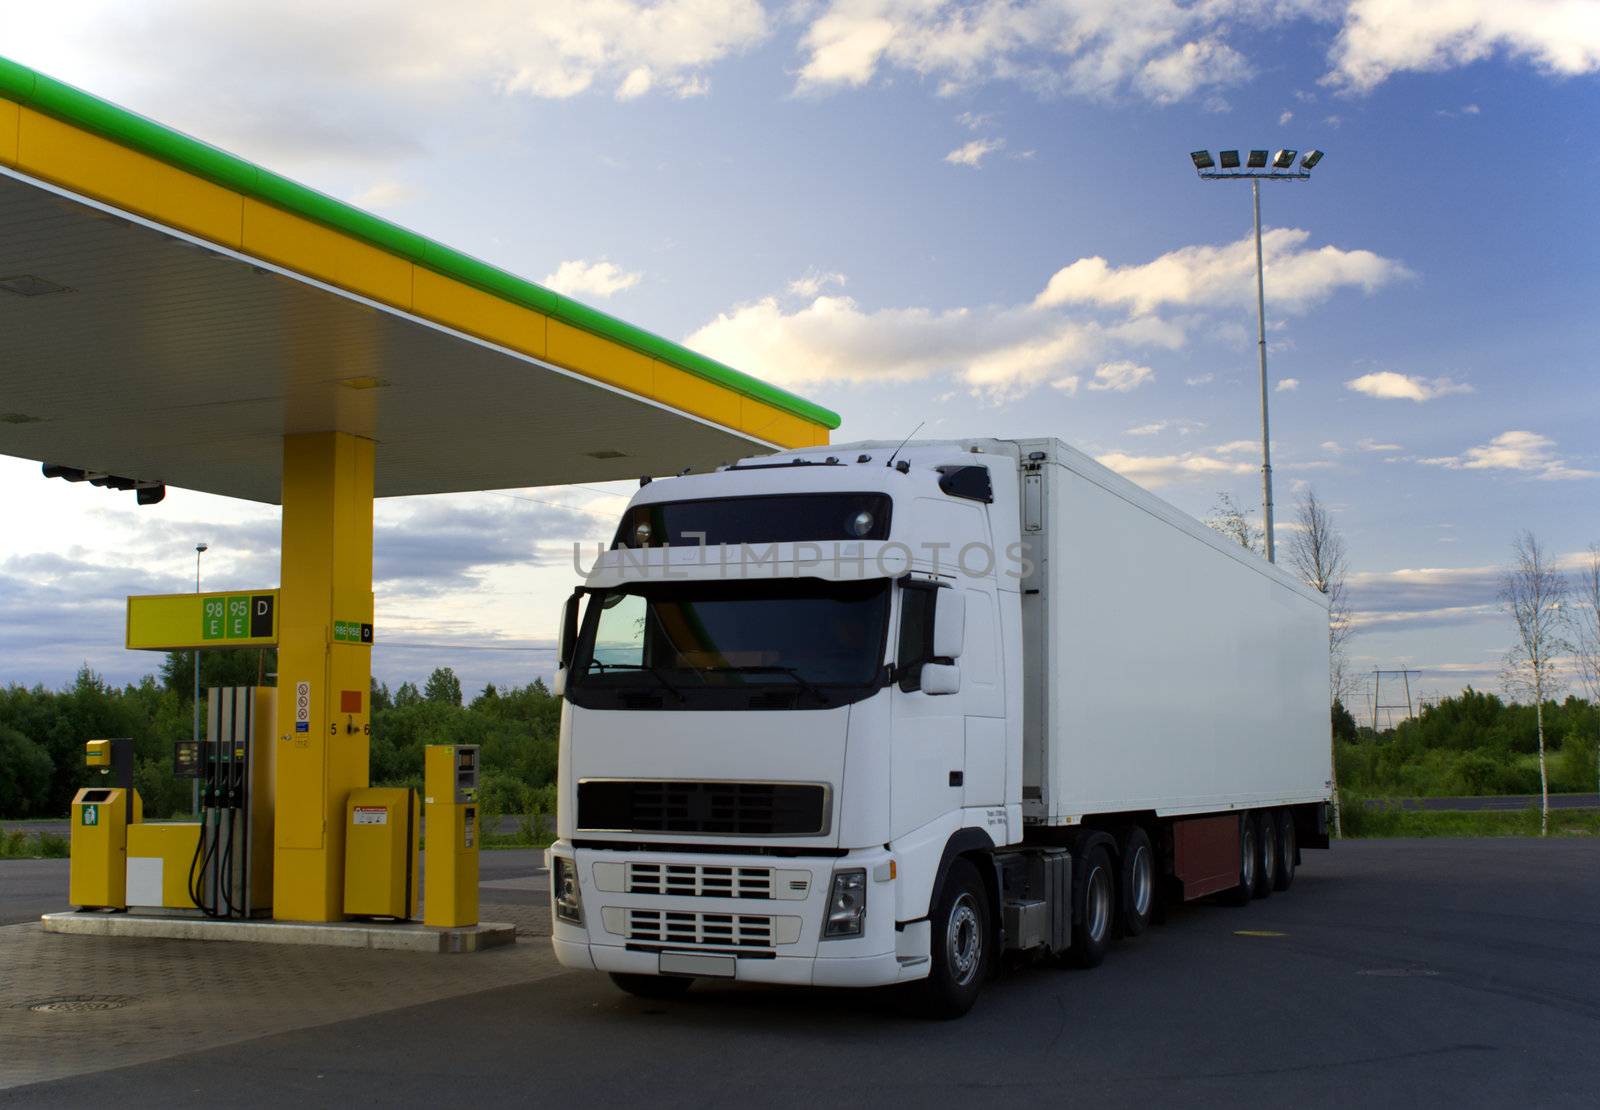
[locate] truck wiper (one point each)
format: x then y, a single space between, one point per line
806 684
653 672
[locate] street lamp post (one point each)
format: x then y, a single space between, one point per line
194 794
1257 169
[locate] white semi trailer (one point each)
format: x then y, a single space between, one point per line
860 715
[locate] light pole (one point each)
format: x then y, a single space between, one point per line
1257 169
194 789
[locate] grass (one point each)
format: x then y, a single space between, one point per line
1392 821
22 844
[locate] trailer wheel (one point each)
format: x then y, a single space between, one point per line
1136 890
1267 852
1094 901
963 943
651 986
1241 894
1287 848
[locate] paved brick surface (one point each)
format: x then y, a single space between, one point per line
176 997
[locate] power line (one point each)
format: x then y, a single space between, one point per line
554 505
456 647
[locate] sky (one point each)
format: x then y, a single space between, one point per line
980 216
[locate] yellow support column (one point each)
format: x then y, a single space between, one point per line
324 666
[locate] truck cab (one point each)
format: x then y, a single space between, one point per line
792 699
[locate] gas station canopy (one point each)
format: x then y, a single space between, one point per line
170 313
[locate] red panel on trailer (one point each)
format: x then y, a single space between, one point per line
1205 854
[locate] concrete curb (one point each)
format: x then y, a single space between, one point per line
407 937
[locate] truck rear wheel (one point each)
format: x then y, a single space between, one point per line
1094 901
652 986
1287 847
1266 852
1241 894
963 944
1136 891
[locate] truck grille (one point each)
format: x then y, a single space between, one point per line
727 930
716 808
695 880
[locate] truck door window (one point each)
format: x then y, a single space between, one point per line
619 635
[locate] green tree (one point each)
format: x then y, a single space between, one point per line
443 686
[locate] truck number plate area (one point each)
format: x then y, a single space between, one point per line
692 963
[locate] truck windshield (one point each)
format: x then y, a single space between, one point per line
796 643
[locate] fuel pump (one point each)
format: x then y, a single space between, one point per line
450 864
230 874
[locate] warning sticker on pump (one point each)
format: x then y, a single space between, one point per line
370 815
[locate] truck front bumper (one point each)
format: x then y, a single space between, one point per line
639 907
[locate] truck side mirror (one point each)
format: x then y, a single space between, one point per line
949 624
941 678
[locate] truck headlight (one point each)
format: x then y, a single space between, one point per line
847 905
564 887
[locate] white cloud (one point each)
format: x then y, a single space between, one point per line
383 194
973 153
1180 425
1160 50
1383 37
1093 338
636 84
974 121
579 278
1284 117
1200 379
1286 385
1374 445
815 281
1120 377
1212 276
1389 385
346 81
1067 385
1525 452
1164 470
833 338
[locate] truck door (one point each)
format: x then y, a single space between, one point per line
928 730
984 703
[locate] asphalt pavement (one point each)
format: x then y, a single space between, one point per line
1395 973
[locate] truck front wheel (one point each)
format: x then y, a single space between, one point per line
651 986
963 943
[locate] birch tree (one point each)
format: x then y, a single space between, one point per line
1533 593
1229 520
1584 617
1317 554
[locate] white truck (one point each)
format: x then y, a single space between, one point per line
868 714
